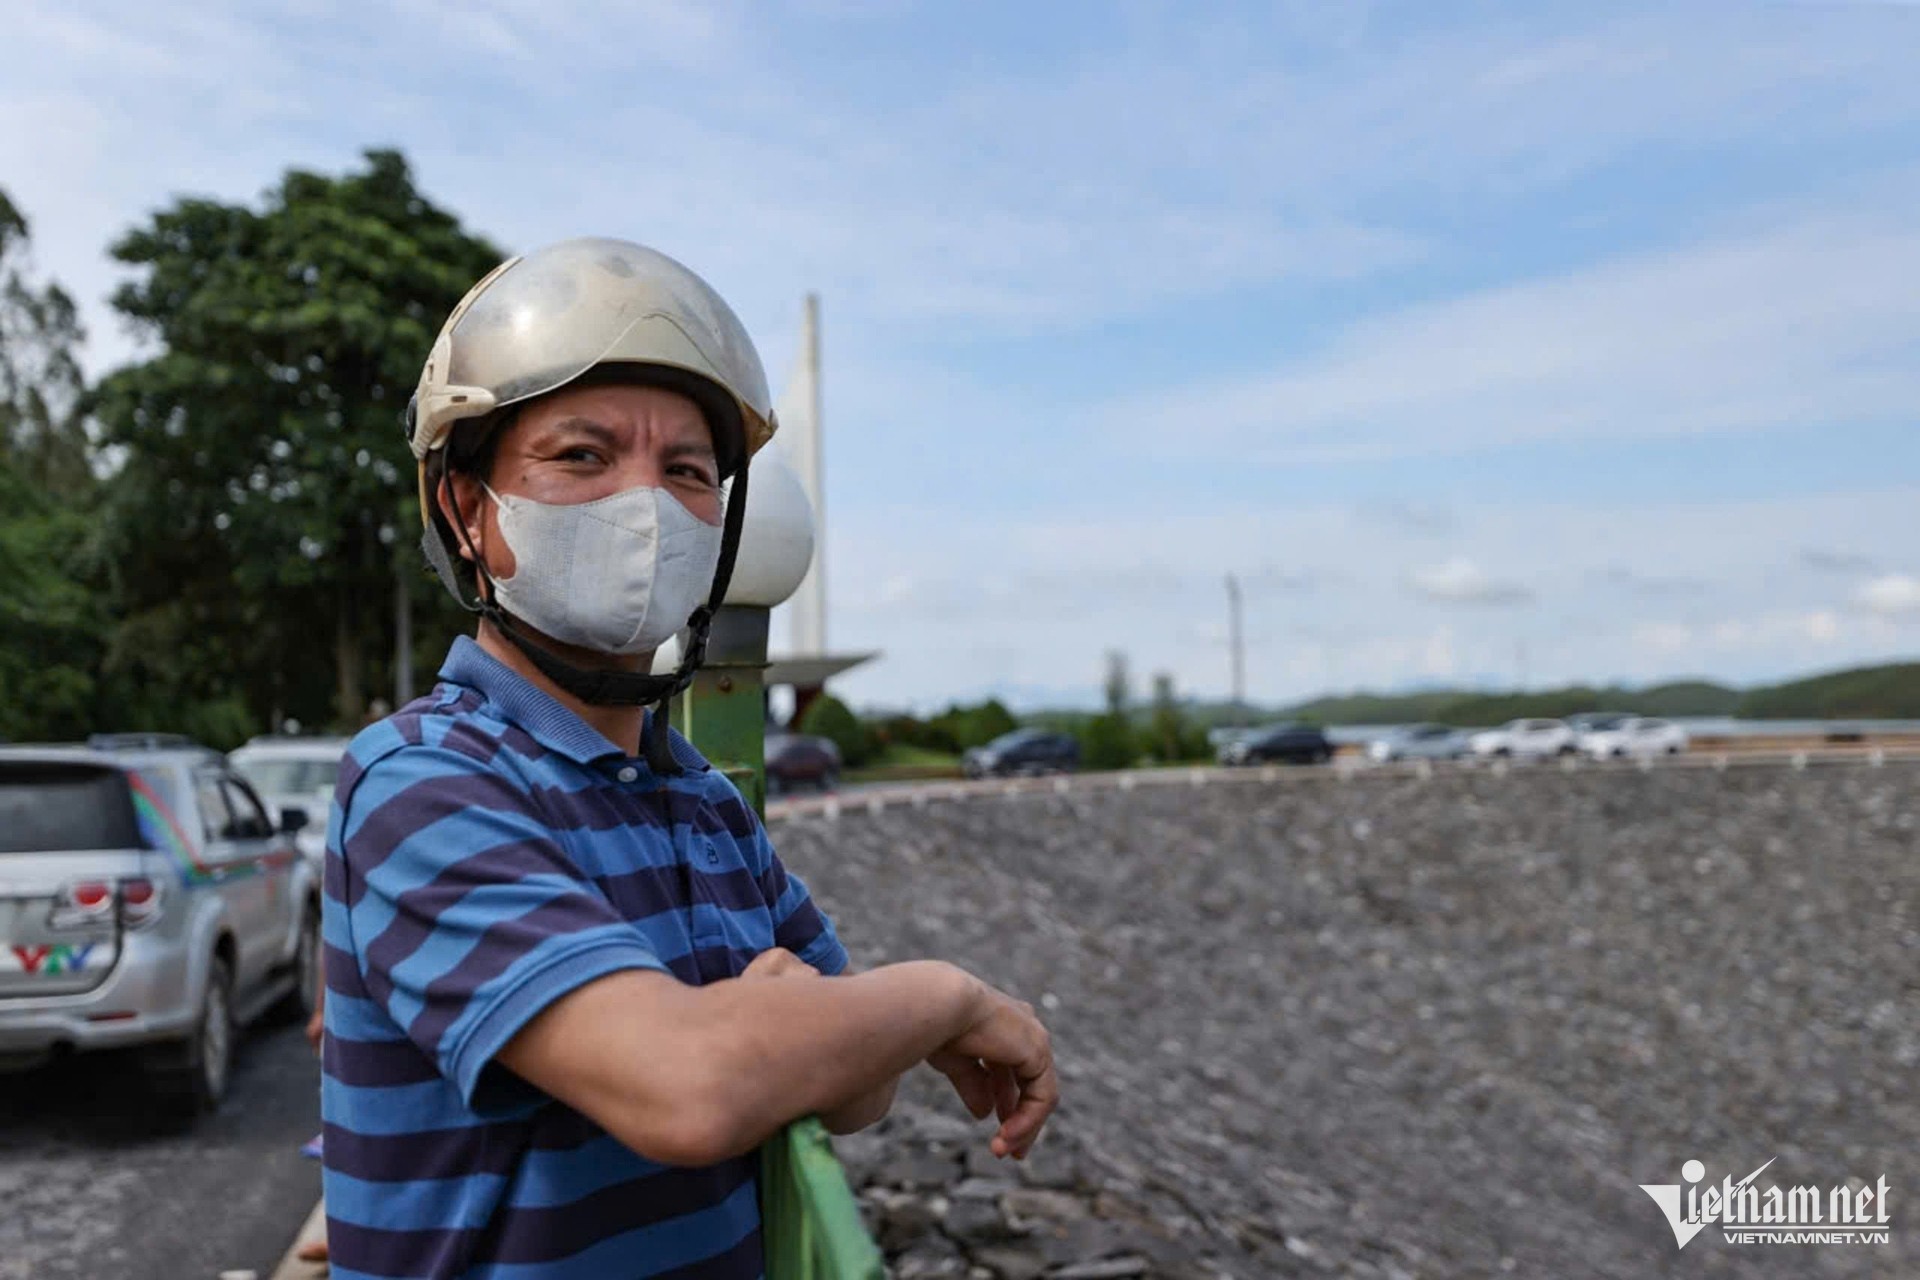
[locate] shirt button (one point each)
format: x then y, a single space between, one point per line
627 773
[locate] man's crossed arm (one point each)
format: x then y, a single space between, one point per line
694 1075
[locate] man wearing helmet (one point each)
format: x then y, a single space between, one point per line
571 987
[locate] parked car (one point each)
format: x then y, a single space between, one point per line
1526 740
1419 742
1022 752
147 902
1290 743
1637 738
295 773
798 759
1585 722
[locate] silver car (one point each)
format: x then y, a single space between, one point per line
1419 742
147 901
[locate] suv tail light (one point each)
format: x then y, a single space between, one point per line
81 902
139 901
87 902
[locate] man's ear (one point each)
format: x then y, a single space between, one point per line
461 499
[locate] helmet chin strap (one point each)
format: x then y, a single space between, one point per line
603 687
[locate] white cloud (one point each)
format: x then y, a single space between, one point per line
1451 236
1814 321
1832 560
980 616
1810 630
1461 581
1894 595
1664 637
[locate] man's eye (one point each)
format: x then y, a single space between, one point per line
580 454
692 473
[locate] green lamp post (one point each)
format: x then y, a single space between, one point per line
810 1221
724 713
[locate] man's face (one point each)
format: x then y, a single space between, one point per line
580 444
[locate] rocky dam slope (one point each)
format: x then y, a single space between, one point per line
1394 1026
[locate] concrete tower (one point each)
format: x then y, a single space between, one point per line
801 435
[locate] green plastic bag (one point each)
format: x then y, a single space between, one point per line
809 1221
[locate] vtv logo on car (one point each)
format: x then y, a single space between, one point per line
53 959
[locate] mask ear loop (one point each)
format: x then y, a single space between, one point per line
659 750
484 604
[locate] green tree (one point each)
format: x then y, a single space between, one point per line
1170 735
265 513
1107 741
830 718
51 617
961 728
43 438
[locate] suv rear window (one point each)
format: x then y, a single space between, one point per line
53 807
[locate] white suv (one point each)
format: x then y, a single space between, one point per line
295 773
147 901
1641 737
1526 740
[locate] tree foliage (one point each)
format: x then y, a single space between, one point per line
1171 736
52 617
959 728
265 509
1108 740
43 439
830 718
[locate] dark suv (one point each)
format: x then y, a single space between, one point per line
1022 752
1292 743
147 901
795 760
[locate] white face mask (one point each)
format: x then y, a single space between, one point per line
616 575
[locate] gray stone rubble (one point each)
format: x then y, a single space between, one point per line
1402 1027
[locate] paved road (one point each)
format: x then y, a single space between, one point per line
93 1186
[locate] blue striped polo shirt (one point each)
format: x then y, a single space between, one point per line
488 852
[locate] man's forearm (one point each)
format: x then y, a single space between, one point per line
693 1075
830 1046
869 1108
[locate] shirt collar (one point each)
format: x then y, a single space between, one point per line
526 704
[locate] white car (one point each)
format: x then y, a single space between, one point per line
295 773
1525 740
1639 738
1419 742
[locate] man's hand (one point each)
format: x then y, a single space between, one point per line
1003 1065
776 962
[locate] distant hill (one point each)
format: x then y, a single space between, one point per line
1882 692
1377 708
1688 698
1464 706
1890 692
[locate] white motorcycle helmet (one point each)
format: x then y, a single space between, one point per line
573 312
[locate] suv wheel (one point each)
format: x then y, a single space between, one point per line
192 1076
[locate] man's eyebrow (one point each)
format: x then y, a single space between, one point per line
690 449
598 432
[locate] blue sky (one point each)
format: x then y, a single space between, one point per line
1485 342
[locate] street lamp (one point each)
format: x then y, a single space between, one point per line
724 713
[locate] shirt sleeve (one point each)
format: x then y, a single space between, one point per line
798 925
467 917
